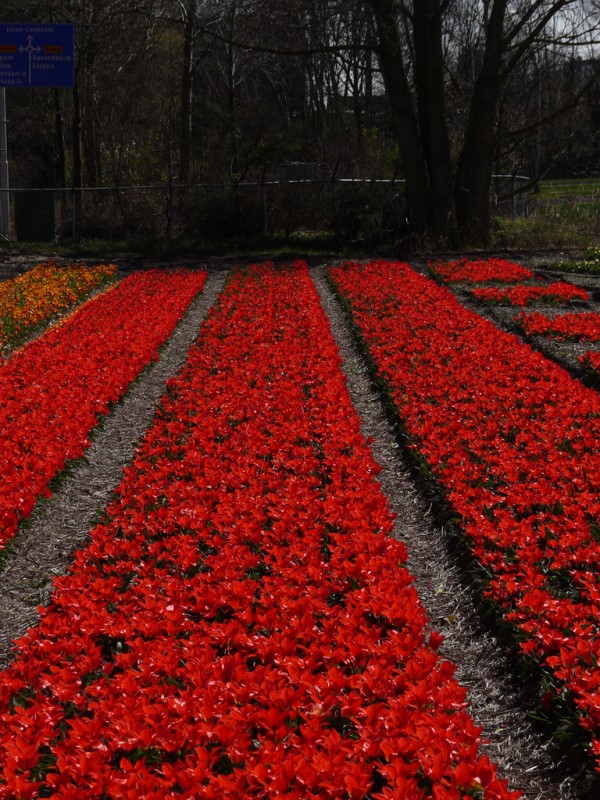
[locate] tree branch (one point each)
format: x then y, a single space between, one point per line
522 133
285 51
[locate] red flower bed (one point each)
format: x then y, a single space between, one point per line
513 440
584 326
240 626
591 360
480 271
54 390
558 293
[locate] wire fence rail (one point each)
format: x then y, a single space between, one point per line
344 207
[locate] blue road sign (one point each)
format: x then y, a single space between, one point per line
37 54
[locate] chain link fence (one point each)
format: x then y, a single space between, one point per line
348 208
510 195
354 209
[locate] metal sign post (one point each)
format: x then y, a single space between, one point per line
31 54
4 187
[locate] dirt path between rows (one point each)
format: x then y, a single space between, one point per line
524 757
44 546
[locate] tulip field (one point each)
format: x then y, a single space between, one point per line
42 292
54 390
240 623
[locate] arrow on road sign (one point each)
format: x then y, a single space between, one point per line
29 49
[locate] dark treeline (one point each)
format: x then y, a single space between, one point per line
440 94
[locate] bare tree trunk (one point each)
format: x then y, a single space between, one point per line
88 114
429 63
60 158
370 35
77 162
232 99
189 27
61 161
234 164
475 166
403 114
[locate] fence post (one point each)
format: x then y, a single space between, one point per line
170 207
170 195
4 179
74 214
263 193
514 196
334 210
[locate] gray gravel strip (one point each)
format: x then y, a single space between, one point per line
586 279
43 547
524 757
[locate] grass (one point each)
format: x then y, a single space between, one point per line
565 213
540 232
569 187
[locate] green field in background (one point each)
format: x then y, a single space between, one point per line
569 187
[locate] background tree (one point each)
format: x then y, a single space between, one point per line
486 43
440 93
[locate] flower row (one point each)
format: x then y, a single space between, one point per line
241 625
480 271
56 388
591 360
558 293
513 441
584 326
39 294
